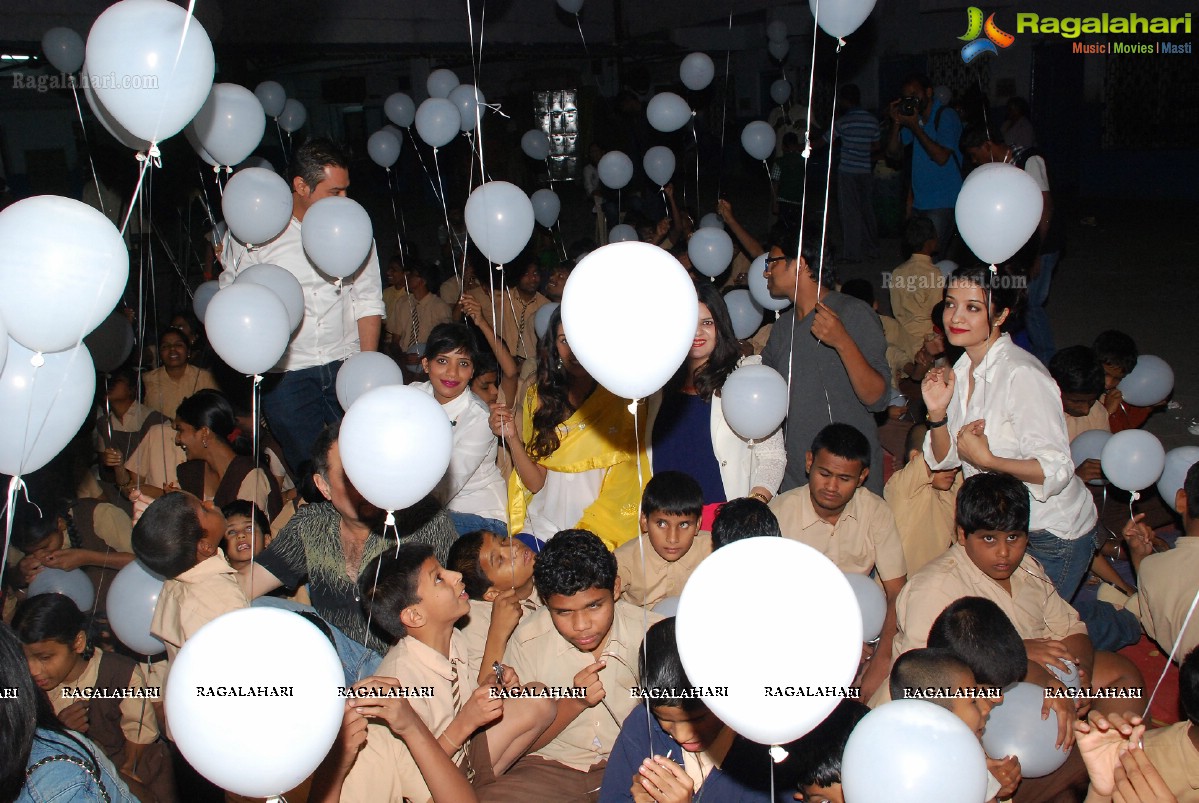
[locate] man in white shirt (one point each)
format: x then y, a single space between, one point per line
340 318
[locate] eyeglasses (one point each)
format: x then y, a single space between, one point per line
771 260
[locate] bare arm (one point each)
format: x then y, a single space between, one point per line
753 248
369 329
509 370
255 580
532 473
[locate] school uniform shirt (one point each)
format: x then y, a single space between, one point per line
195 598
865 537
1176 759
538 653
430 311
472 482
1034 606
1016 396
916 287
164 394
657 578
156 459
923 514
1096 418
332 306
474 627
1166 585
517 325
385 769
138 722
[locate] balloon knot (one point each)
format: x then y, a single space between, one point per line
257 380
37 360
840 44
778 754
807 152
994 270
390 521
633 406
1136 496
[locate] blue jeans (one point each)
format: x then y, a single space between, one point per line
1109 628
1066 562
469 522
1036 321
299 407
357 659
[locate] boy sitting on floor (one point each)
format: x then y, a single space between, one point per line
738 519
819 753
658 563
922 501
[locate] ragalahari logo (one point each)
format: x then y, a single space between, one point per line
975 27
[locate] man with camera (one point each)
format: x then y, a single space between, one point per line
936 163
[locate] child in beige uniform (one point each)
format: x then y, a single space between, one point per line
922 501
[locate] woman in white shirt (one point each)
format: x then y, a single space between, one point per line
999 410
473 490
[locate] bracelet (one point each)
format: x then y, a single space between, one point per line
934 424
759 495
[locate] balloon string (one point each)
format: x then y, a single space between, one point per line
145 160
204 196
1173 652
394 214
561 238
282 147
586 50
15 486
724 105
828 174
423 166
649 722
449 230
695 137
88 145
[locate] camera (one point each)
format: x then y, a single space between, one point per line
909 106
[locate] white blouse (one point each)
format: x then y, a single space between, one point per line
472 483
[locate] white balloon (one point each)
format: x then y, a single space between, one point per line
293 116
247 326
758 139
110 343
912 751
193 139
778 50
871 601
754 401
696 71
272 96
64 49
657 323
130 607
842 18
535 144
230 124
947 267
74 585
3 345
110 124
395 445
776 31
623 233
1149 383
499 219
780 91
794 580
203 297
571 6
283 284
615 170
546 207
441 82
758 288
744 312
541 318
1015 728
998 209
362 373
1133 460
1089 446
64 267
337 235
383 147
667 607
438 122
42 408
1178 463
256 205
711 251
249 648
667 112
470 103
659 164
400 109
153 79
711 221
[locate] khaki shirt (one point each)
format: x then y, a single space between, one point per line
1166 583
538 653
138 722
164 394
474 627
1096 418
1173 754
923 514
385 769
658 578
864 538
916 287
430 311
1034 606
195 598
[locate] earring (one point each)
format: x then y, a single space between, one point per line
561 364
204 442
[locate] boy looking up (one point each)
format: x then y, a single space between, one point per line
670 540
847 523
922 502
585 638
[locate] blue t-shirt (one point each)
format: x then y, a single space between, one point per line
682 440
936 186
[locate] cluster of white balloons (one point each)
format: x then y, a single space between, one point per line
776 40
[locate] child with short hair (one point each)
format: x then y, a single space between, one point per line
585 638
179 537
916 285
498 573
64 662
819 753
685 752
247 532
1081 379
743 518
922 501
416 600
671 506
1117 352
